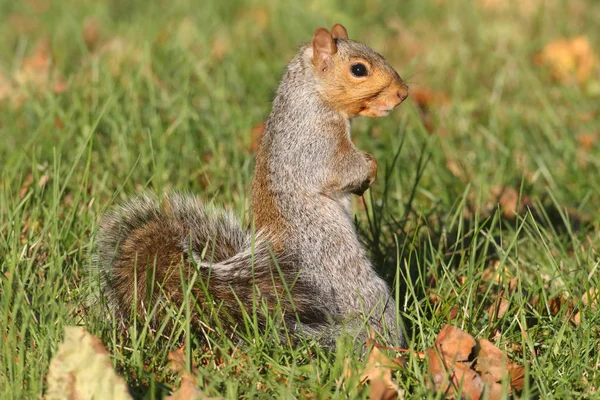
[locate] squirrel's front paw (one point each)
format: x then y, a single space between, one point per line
371 174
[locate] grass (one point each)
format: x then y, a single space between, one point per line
99 100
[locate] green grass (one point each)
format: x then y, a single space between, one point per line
170 103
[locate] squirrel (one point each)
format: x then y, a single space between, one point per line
302 255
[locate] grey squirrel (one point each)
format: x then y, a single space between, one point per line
305 258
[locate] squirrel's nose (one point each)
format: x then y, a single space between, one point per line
402 93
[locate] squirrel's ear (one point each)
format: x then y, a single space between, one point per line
323 47
339 32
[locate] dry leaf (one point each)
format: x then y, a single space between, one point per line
511 201
25 186
491 360
498 308
452 373
590 298
91 33
448 377
44 179
453 313
586 141
188 387
379 375
569 58
35 69
454 344
81 369
517 376
494 274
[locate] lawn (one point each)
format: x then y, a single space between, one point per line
485 214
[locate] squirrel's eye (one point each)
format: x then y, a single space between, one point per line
359 70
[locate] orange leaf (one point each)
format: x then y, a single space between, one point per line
454 343
379 375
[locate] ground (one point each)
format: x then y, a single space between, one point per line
486 207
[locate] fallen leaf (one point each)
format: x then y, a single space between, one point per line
25 186
453 377
82 369
43 181
379 375
493 273
471 375
453 313
510 200
590 298
576 319
454 343
498 308
35 69
517 376
91 33
568 58
491 360
587 140
188 386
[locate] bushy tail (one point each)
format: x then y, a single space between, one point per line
150 250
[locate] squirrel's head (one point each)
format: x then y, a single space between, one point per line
353 78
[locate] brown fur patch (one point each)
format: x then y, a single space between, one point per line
266 214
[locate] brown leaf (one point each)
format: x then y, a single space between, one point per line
91 33
498 308
35 69
448 377
454 343
25 186
43 181
590 298
493 273
517 376
555 304
379 375
453 373
586 141
491 360
188 387
81 369
453 313
569 58
510 200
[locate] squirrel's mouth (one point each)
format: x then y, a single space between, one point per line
385 101
376 111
